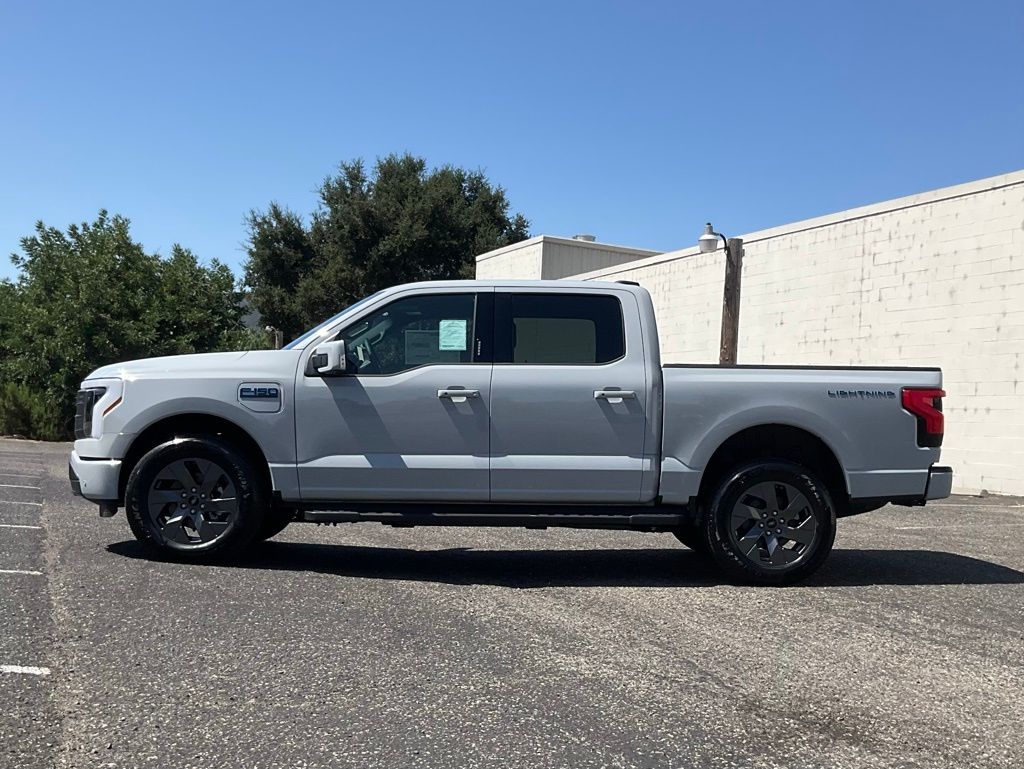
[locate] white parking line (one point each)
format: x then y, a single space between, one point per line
13 502
21 571
16 486
21 475
18 526
958 526
976 507
28 670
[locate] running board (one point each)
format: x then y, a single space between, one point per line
640 521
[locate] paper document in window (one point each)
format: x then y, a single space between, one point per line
452 334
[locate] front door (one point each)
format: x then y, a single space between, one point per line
411 422
568 398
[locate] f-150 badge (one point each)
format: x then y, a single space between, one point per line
264 397
247 392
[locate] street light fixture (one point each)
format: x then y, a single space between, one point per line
708 244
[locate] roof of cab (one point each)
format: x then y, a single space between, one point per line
500 283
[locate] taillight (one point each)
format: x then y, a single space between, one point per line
925 403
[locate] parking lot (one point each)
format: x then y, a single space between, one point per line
366 646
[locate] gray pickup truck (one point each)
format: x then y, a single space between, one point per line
505 403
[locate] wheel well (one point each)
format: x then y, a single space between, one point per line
782 442
191 424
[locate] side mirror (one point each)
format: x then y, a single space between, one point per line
327 359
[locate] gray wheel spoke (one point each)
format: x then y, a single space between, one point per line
751 504
748 543
220 505
797 502
762 494
782 556
802 533
173 529
211 476
209 530
161 497
741 514
179 472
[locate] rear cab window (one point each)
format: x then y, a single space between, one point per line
558 329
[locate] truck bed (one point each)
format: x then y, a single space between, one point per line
855 411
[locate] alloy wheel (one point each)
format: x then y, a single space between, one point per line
773 525
192 502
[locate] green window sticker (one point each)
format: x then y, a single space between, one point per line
452 334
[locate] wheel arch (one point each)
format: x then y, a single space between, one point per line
779 441
191 423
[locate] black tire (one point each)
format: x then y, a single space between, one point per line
231 534
785 504
275 522
694 537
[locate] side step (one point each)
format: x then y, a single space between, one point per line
639 521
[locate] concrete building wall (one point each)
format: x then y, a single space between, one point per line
931 279
552 258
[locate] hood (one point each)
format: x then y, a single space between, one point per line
171 364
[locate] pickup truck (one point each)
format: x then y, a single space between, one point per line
505 403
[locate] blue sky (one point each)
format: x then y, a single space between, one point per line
634 121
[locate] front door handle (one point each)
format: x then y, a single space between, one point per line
458 396
614 396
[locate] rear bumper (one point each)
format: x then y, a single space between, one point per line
940 483
94 479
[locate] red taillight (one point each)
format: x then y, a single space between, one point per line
925 403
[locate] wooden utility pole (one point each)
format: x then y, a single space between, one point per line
731 301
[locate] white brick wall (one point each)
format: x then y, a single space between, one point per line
933 279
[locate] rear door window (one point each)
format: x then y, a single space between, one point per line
558 329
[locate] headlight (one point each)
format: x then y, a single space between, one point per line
96 399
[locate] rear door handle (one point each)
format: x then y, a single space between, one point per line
614 396
458 396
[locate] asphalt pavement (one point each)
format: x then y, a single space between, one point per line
366 646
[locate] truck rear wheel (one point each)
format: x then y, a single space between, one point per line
771 522
190 498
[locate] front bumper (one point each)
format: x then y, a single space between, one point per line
940 483
94 479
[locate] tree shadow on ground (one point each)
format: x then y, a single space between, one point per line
657 567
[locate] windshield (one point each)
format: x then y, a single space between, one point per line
302 340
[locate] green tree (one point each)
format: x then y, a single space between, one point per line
91 295
402 223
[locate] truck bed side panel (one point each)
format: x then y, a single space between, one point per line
856 412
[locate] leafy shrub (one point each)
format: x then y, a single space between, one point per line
31 413
246 339
91 295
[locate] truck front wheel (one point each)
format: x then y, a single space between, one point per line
770 522
195 496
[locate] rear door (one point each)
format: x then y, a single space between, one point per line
568 397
